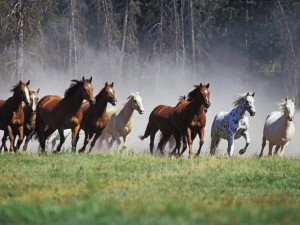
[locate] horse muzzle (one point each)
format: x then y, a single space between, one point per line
207 105
141 112
92 102
113 102
290 118
252 113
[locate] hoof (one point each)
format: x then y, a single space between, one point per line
242 151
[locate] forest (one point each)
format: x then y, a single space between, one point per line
122 39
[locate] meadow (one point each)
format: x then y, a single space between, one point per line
143 189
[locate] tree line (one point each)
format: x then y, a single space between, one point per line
125 35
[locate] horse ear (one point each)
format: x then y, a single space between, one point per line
83 78
207 86
20 82
112 84
90 80
37 91
286 99
106 84
253 94
247 94
200 84
28 82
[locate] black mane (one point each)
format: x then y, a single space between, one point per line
73 87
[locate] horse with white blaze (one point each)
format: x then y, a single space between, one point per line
121 122
279 128
233 125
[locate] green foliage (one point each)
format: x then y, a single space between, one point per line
141 189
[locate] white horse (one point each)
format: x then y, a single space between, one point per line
279 128
232 125
120 121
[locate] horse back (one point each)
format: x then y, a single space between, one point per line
161 117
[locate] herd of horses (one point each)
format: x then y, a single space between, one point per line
24 115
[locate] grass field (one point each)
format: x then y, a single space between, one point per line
142 189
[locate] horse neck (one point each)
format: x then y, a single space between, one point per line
193 108
239 111
16 102
101 104
73 103
127 110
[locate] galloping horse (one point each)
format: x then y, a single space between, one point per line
183 116
279 128
95 117
120 120
63 113
232 125
162 116
12 115
30 116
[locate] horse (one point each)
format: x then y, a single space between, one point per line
183 116
63 113
234 124
197 126
12 115
95 117
120 120
279 128
161 117
30 116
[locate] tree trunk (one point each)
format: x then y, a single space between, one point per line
124 37
20 39
192 27
72 41
182 35
176 31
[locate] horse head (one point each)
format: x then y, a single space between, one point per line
205 94
34 98
249 103
22 91
137 102
110 93
289 108
88 90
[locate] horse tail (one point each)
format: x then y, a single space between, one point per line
147 132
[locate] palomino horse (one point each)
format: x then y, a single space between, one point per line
12 115
95 117
161 118
232 125
120 120
279 128
63 113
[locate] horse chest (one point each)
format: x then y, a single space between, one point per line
17 118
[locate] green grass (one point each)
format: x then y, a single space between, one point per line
141 189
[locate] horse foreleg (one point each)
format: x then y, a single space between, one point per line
97 135
230 145
21 137
215 140
189 141
75 134
247 138
276 149
27 139
263 144
86 140
177 136
11 139
201 140
4 138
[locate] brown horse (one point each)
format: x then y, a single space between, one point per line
161 118
197 127
59 113
95 117
184 114
12 115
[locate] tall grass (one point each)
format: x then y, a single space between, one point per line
141 189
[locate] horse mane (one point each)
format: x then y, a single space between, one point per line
182 98
13 88
73 87
238 99
133 94
192 95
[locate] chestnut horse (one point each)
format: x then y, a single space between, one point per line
95 117
177 120
59 113
12 115
197 127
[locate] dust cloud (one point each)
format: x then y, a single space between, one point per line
163 84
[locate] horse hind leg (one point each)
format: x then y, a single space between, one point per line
270 149
215 140
263 144
162 142
62 140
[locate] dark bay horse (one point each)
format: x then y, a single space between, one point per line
161 118
95 117
184 115
12 115
30 116
54 112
